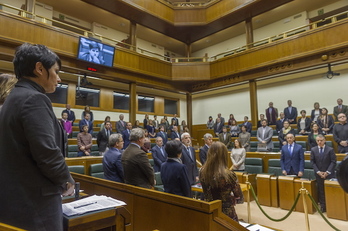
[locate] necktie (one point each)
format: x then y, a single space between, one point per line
162 151
189 152
321 150
290 150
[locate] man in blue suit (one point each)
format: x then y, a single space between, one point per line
87 122
162 134
175 134
125 135
292 157
290 113
159 154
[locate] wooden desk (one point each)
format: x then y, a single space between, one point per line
115 217
274 192
336 201
264 189
286 192
310 185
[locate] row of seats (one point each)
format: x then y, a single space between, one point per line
73 149
96 170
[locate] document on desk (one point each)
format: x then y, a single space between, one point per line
89 204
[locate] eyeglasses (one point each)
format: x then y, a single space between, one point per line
342 117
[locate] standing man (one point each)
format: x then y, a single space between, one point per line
323 159
247 124
208 140
103 138
87 122
225 137
290 113
280 122
340 108
264 135
222 119
340 133
189 158
163 134
121 125
71 114
218 127
32 165
176 120
112 164
136 166
175 134
292 157
271 114
126 134
159 154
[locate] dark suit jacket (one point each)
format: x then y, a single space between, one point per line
71 115
218 127
248 126
226 141
330 122
308 122
190 162
174 135
272 117
164 137
296 160
203 154
125 136
120 127
137 168
324 162
175 178
279 125
292 115
112 165
158 158
281 136
343 110
32 165
102 140
312 113
90 126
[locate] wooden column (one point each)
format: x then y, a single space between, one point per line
189 110
132 34
132 102
253 103
188 51
249 32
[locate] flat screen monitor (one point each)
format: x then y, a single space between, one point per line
95 52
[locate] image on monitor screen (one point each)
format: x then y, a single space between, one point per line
95 52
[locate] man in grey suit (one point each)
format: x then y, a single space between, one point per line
136 166
203 151
323 159
121 125
264 135
340 108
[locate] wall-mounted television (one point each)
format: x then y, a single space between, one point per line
95 52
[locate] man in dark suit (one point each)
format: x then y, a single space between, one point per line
323 159
222 119
87 122
189 158
218 127
71 114
279 123
340 108
208 140
159 155
126 134
290 113
121 125
162 134
271 114
33 172
176 120
136 166
292 157
103 138
247 124
112 164
175 134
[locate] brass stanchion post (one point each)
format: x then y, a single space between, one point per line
304 194
248 198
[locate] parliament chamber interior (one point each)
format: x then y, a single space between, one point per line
194 59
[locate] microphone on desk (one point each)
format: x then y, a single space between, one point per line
77 190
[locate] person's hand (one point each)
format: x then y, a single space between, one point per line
284 173
284 142
69 190
263 141
197 178
325 174
87 153
300 174
343 143
82 148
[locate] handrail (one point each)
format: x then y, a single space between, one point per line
268 40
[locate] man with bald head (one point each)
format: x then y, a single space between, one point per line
292 157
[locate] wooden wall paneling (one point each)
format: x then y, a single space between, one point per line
264 194
72 94
191 71
159 106
310 186
106 101
336 201
155 8
190 16
286 192
274 192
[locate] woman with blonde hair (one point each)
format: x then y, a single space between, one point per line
7 83
220 183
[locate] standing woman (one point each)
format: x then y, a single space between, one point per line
7 83
244 138
238 155
87 110
231 119
234 129
146 120
151 129
303 124
284 131
312 136
325 122
220 183
316 112
210 123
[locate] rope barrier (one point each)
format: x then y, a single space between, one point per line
292 208
273 219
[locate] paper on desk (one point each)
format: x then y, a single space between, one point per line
89 204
